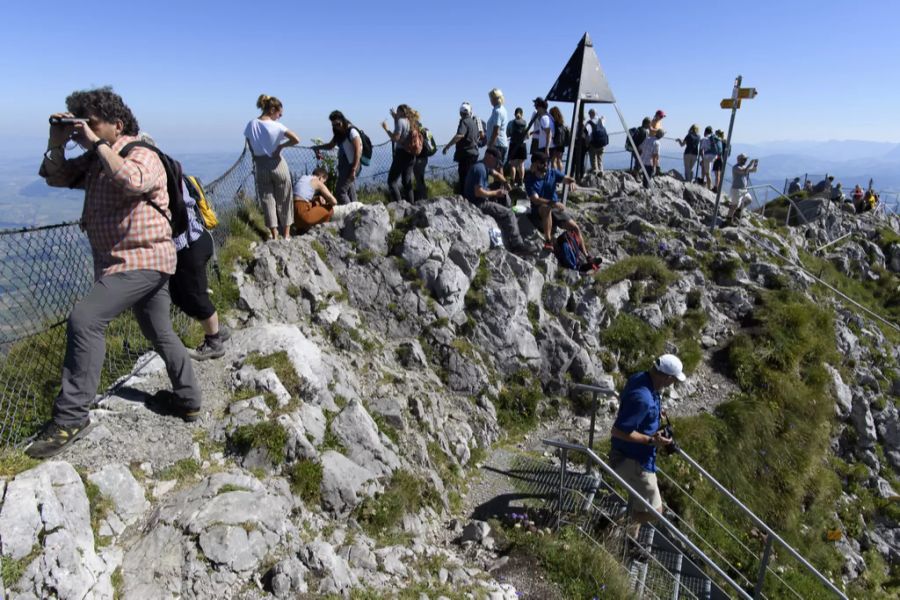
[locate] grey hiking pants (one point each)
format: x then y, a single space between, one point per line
344 189
506 220
147 294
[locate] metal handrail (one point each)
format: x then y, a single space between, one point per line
594 390
780 195
760 523
649 508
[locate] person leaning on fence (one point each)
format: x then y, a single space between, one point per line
133 254
650 152
346 135
496 124
494 202
267 138
400 175
636 434
465 143
313 202
691 145
547 212
517 132
740 184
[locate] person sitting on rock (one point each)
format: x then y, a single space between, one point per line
313 202
740 184
494 202
824 186
547 212
795 187
837 194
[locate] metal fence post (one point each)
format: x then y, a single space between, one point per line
593 420
562 482
763 564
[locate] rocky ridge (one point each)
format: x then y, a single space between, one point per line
368 369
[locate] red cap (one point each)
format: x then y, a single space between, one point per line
660 113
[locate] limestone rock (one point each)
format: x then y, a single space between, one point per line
356 429
118 484
344 483
368 228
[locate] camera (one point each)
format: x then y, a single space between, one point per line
66 120
669 432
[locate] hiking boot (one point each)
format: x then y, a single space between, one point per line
165 402
637 553
54 438
208 349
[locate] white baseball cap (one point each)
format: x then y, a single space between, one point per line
669 364
465 109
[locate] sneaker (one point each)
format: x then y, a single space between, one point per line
54 438
548 246
224 333
165 402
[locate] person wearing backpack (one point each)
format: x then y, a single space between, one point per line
350 155
709 147
133 254
638 135
429 149
547 212
517 133
407 141
465 143
718 166
559 138
691 145
496 125
267 138
598 139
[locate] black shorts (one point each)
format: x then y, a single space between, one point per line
517 152
717 164
558 214
188 286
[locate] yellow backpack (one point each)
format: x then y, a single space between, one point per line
204 206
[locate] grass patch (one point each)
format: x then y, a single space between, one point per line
636 343
100 507
639 268
13 461
181 470
381 516
11 570
284 369
231 487
305 478
244 227
575 563
265 435
320 250
766 444
365 256
475 299
517 403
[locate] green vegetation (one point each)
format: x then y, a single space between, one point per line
265 435
381 516
244 227
117 579
766 443
635 341
284 369
181 470
305 477
475 299
580 567
517 404
231 487
13 461
365 256
639 268
11 570
100 507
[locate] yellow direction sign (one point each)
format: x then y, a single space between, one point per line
747 93
729 103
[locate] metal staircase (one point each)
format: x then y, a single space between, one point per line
670 559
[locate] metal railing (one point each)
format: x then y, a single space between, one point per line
672 529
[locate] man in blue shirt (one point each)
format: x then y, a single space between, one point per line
494 202
547 212
636 435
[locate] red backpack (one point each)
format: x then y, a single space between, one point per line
414 141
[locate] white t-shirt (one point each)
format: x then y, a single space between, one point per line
303 188
649 148
543 125
347 145
265 136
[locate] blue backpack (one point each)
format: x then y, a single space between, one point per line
569 252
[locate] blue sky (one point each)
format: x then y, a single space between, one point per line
191 71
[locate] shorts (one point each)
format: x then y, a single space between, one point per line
558 214
643 482
717 165
517 152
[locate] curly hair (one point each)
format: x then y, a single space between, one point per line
104 104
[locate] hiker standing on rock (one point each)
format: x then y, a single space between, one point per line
517 132
134 256
691 145
349 155
740 184
547 212
496 125
710 149
637 434
494 202
466 144
406 131
597 139
267 138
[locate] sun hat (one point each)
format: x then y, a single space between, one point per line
669 364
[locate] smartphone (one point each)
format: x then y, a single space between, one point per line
66 120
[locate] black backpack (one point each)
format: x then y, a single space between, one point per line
561 136
366 156
599 137
174 175
638 134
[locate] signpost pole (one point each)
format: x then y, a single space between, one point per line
726 150
570 155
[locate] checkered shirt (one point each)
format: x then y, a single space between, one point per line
126 233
